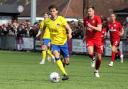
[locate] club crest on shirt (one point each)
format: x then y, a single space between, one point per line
58 25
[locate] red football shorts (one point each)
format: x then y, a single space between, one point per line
97 45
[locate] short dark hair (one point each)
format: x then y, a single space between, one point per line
91 7
52 7
45 13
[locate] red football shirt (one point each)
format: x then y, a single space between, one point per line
103 31
114 29
93 34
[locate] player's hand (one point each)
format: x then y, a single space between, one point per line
37 37
69 36
89 29
121 34
89 25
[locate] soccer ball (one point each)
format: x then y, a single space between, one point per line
54 77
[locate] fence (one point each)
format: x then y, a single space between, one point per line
14 43
79 47
8 42
75 45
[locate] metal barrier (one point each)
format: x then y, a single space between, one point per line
125 47
8 42
76 45
12 43
79 47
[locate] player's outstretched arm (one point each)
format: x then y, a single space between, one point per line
98 28
41 32
69 31
38 34
122 32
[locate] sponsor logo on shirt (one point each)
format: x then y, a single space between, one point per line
112 30
93 21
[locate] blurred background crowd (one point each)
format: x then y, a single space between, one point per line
25 29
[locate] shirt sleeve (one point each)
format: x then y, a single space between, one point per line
64 21
41 25
99 22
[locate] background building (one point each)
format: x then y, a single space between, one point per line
71 8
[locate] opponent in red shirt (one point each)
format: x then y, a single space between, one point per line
93 26
116 31
104 29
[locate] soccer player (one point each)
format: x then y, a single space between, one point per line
104 29
58 28
116 31
93 38
45 35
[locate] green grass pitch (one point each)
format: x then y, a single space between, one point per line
21 70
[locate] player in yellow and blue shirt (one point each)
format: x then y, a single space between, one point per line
58 28
45 36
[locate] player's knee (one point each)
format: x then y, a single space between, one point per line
90 55
66 61
44 47
99 57
49 45
114 49
90 50
56 54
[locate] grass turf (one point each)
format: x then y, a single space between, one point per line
21 70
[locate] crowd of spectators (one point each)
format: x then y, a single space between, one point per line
23 29
77 29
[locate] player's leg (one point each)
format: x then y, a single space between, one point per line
99 52
44 50
114 51
117 43
90 48
66 61
91 55
50 53
62 58
56 53
120 55
43 54
97 65
90 52
65 53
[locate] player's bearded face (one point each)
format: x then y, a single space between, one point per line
90 12
53 12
